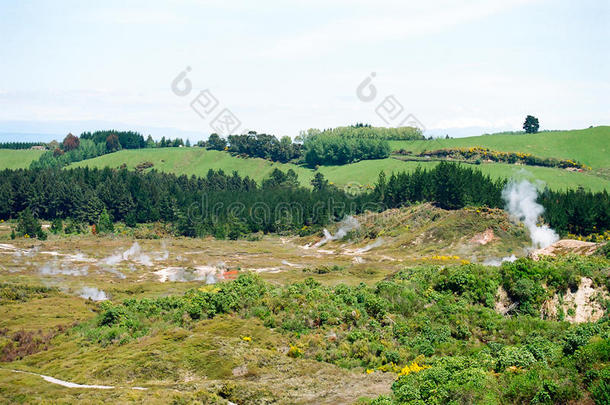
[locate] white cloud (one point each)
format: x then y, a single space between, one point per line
387 21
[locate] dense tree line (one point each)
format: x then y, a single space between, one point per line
219 204
256 145
448 185
167 143
226 205
126 139
330 149
365 131
578 212
451 186
264 146
20 145
131 140
63 156
334 146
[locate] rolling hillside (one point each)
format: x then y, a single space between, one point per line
192 161
366 172
589 146
196 161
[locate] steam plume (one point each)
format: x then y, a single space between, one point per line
134 253
53 269
521 204
93 293
348 224
377 243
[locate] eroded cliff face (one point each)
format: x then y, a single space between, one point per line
583 305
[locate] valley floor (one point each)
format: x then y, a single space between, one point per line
228 357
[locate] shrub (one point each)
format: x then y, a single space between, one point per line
577 336
57 226
73 227
604 250
600 392
111 316
514 356
472 281
29 226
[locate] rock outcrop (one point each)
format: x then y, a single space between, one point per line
565 246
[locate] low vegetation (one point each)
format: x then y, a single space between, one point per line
478 154
434 327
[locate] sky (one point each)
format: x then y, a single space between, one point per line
457 67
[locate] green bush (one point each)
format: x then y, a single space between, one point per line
29 226
600 392
105 224
579 335
514 356
471 280
57 226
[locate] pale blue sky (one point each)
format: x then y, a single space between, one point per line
283 66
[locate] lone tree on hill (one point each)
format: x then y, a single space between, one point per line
531 124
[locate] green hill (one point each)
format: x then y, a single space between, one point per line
366 172
588 146
17 159
197 161
191 161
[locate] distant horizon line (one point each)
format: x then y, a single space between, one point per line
32 135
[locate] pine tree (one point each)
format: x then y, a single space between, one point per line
6 200
449 186
104 224
318 182
28 225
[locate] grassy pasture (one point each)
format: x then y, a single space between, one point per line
17 159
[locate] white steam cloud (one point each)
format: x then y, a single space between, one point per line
377 243
498 262
348 224
520 198
199 273
134 253
93 293
55 269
